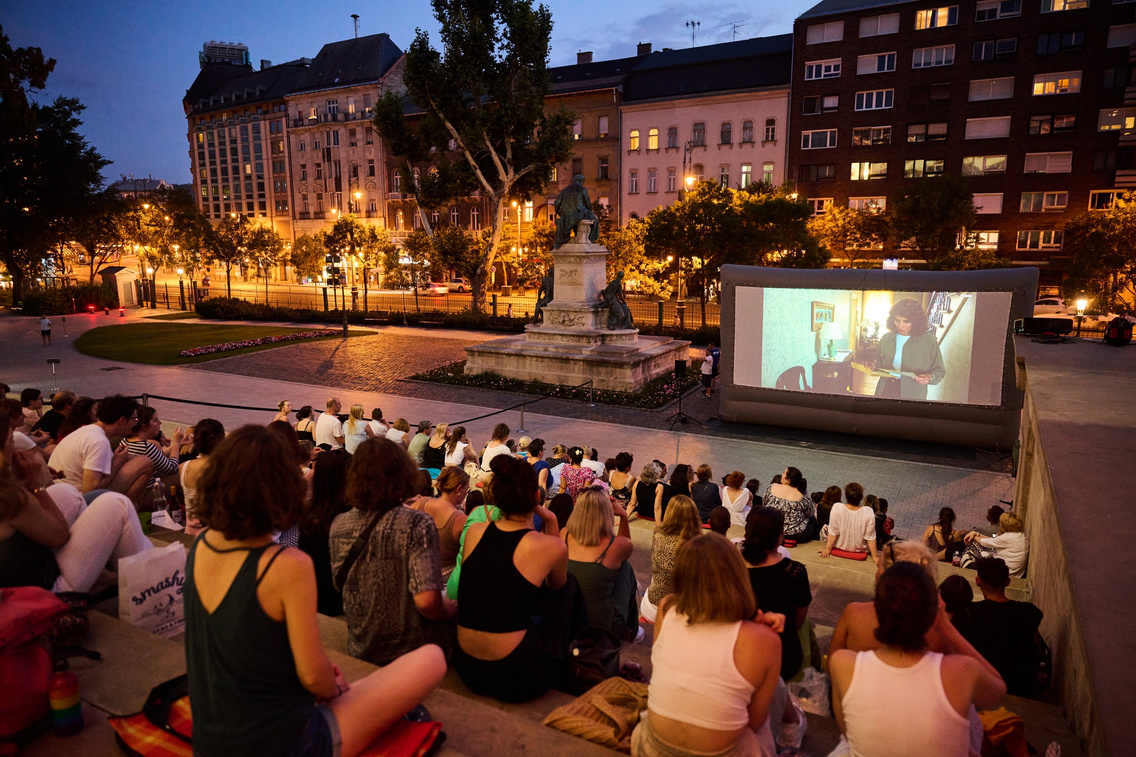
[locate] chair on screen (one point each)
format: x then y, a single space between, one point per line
793 380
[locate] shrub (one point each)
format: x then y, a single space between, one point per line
59 301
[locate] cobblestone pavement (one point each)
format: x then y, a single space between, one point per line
916 478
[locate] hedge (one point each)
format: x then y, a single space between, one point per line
59 301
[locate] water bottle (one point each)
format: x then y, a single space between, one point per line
66 708
159 496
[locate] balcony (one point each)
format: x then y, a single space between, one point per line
304 215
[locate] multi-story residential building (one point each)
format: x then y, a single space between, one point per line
717 112
236 126
333 151
1028 100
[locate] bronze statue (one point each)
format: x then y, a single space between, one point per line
618 314
572 206
544 294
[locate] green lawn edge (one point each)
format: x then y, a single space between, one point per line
655 394
160 343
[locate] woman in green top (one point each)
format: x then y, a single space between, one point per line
911 347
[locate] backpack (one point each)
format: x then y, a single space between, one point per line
27 614
1118 332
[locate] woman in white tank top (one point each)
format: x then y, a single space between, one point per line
902 699
716 661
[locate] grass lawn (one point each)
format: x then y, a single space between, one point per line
160 343
175 316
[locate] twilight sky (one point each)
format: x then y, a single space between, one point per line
130 61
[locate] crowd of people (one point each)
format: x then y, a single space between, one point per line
493 559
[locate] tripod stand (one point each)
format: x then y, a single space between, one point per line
679 416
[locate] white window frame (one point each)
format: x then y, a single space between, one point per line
997 88
1057 83
993 10
724 175
818 139
875 63
917 168
828 68
988 203
878 26
633 182
1046 239
1048 162
877 135
869 170
1121 120
603 126
652 181
995 127
816 34
1043 202
985 239
980 165
820 205
939 135
930 57
672 179
875 99
867 203
936 18
747 174
767 169
1113 194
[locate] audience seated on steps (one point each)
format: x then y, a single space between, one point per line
598 558
445 510
1003 631
1010 544
902 698
736 497
256 667
679 525
518 606
328 501
791 497
651 494
207 435
851 526
715 685
49 535
393 589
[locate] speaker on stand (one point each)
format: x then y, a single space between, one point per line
680 368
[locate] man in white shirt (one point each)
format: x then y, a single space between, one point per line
329 429
86 460
592 461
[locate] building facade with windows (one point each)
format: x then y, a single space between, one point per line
716 113
1028 100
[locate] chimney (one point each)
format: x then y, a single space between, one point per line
643 48
582 58
265 64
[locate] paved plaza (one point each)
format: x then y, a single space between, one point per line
917 479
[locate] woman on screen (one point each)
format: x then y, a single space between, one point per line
909 346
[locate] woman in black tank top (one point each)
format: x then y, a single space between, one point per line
510 574
255 663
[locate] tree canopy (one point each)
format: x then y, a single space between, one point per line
484 111
935 217
1103 246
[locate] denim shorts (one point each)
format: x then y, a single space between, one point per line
320 737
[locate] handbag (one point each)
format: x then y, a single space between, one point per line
593 656
357 548
605 714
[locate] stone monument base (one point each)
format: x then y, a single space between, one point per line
621 360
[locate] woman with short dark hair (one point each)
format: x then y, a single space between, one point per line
791 498
392 593
910 347
255 662
329 500
903 699
737 497
576 476
704 492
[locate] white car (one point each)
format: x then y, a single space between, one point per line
458 284
1051 306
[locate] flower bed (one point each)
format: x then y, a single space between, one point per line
227 346
654 394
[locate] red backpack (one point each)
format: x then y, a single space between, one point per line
27 613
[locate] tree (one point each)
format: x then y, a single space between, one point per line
970 259
644 275
485 97
227 244
418 250
1103 245
361 241
101 227
454 250
265 248
856 235
934 217
308 254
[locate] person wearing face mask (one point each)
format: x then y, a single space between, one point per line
911 347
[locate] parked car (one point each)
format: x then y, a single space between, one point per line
434 287
1050 306
458 284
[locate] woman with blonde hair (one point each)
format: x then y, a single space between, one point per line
680 524
285 408
1010 544
598 558
446 510
715 661
356 430
434 453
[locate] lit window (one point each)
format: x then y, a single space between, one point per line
920 168
767 172
1040 240
633 140
1122 120
1053 6
985 240
652 139
1041 202
864 171
870 204
865 136
1065 82
1103 199
603 127
747 174
577 129
992 10
936 17
983 165
820 205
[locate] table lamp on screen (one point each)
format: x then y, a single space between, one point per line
830 331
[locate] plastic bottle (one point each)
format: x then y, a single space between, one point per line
66 707
159 496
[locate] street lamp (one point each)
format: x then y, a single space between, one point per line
358 196
1081 303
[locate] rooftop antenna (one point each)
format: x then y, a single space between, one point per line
734 26
693 27
355 18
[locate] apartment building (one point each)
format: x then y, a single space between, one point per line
1028 100
717 112
333 149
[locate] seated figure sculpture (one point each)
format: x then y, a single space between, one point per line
618 314
572 206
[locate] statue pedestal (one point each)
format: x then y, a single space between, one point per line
574 344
